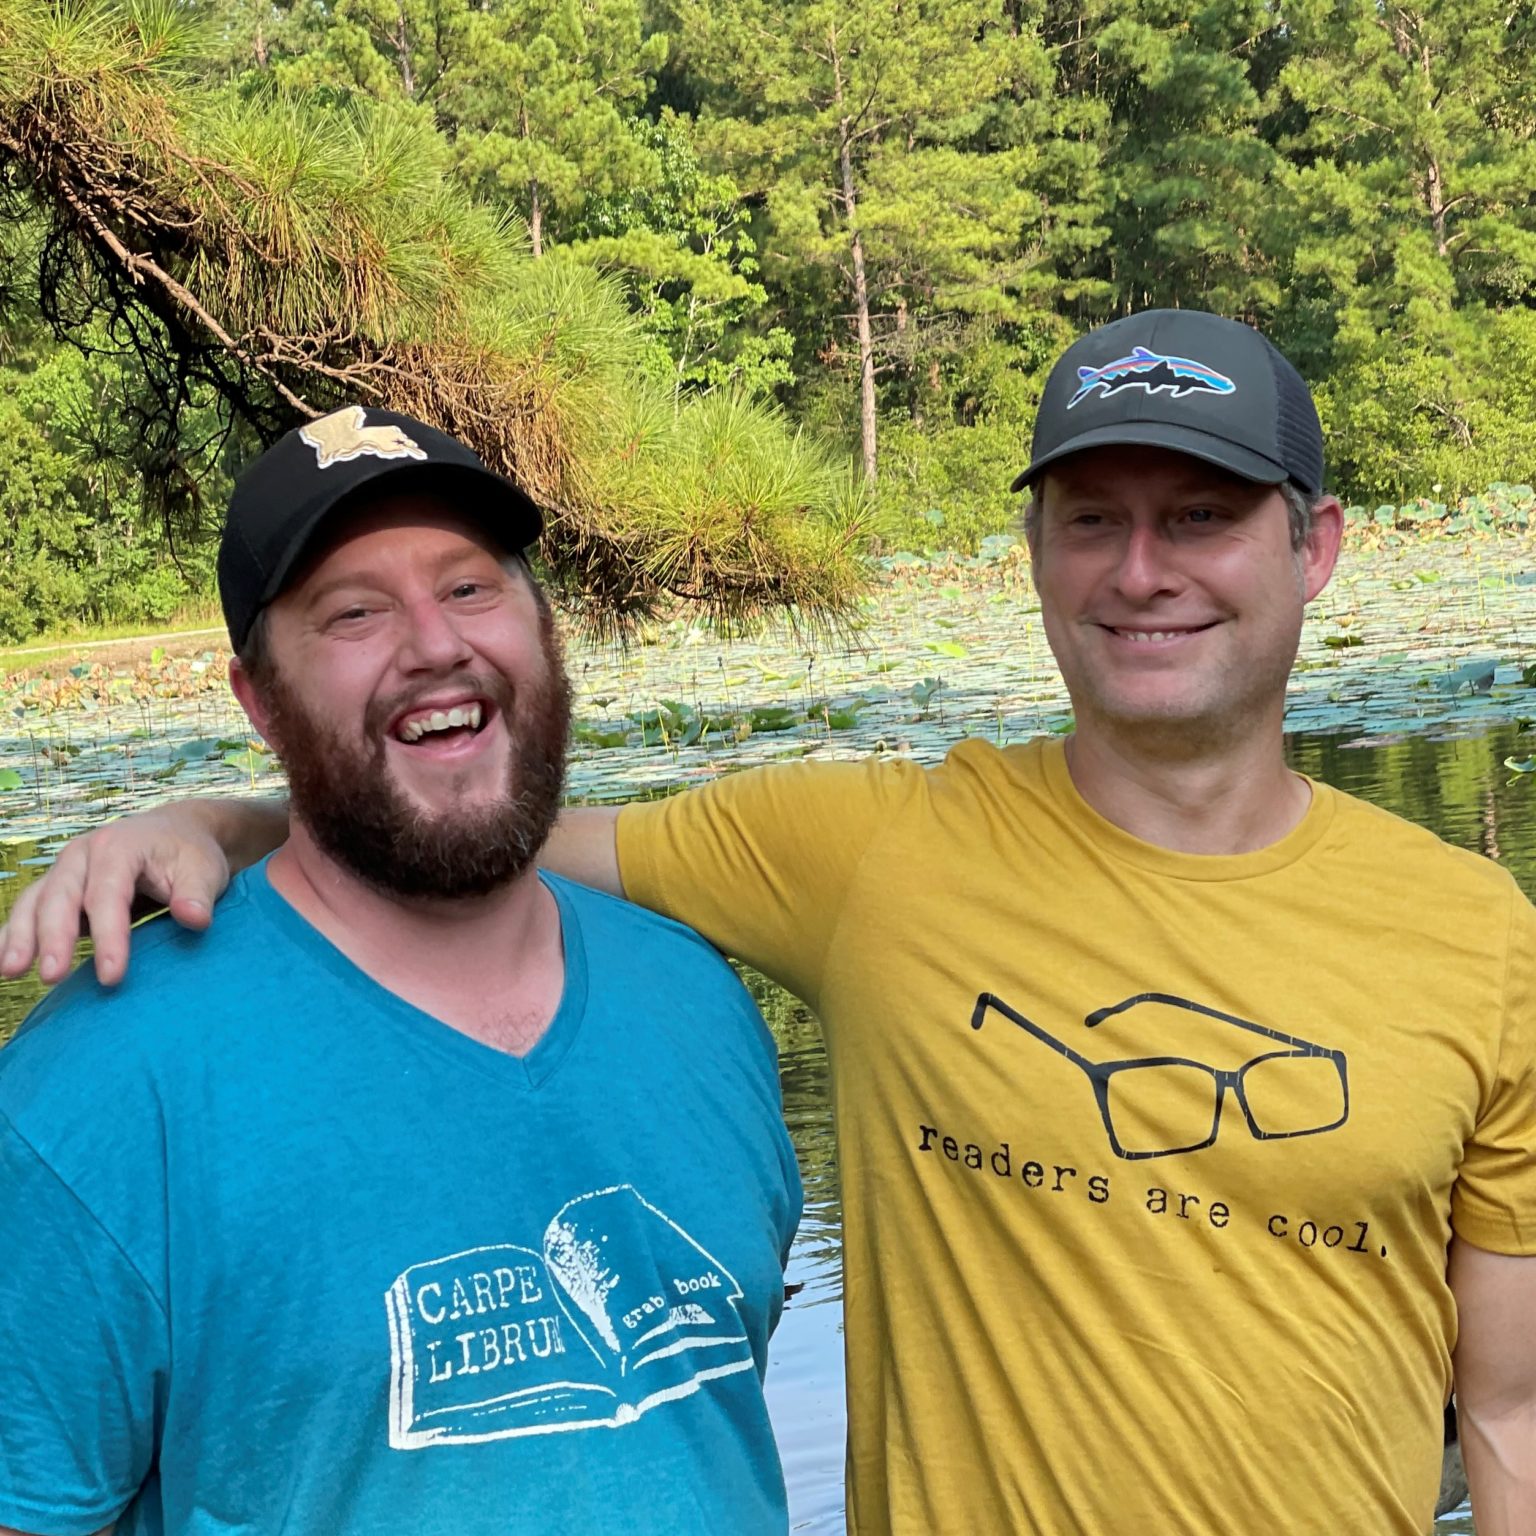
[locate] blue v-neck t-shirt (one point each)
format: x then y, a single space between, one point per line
283 1253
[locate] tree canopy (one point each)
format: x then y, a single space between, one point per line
736 287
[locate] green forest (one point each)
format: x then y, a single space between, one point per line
742 289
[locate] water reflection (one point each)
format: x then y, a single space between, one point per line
1457 787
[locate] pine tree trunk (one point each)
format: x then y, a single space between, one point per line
860 285
866 346
1435 187
535 206
402 42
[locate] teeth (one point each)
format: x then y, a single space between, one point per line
441 720
1140 635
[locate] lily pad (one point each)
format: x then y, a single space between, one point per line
773 717
203 747
1475 677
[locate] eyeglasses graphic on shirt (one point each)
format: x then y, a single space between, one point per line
1157 1106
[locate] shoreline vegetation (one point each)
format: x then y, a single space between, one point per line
1429 627
916 543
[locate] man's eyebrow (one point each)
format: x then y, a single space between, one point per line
366 578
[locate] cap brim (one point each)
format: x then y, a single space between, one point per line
1205 446
500 507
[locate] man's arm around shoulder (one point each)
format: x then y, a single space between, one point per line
583 846
1495 1375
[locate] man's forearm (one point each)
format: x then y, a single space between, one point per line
1498 1449
584 847
1495 1372
247 830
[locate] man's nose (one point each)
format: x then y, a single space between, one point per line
1146 566
431 640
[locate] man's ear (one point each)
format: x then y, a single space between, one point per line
1030 519
249 695
1320 548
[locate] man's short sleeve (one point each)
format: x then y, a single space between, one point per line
83 1357
760 862
1494 1202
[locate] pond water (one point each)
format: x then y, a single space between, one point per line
1414 690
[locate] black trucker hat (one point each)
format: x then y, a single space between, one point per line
1185 380
282 498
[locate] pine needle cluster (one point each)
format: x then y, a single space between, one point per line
288 253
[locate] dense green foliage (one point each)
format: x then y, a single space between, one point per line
885 216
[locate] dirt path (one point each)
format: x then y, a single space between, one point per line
46 659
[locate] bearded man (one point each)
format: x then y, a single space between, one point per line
406 1200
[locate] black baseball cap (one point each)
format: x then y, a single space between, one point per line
281 499
1185 380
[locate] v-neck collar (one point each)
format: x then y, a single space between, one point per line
379 1004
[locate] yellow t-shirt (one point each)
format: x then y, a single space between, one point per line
1149 1160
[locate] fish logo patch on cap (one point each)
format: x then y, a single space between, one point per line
1153 372
344 435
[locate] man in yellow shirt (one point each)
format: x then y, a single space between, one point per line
1184 1105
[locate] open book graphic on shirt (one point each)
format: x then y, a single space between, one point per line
619 1310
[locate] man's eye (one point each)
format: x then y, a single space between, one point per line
1201 515
467 589
356 611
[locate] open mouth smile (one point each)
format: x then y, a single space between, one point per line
443 722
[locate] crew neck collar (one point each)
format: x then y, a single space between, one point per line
1171 862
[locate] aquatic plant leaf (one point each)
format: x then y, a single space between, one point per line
773 717
248 762
1475 677
194 751
10 779
598 736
